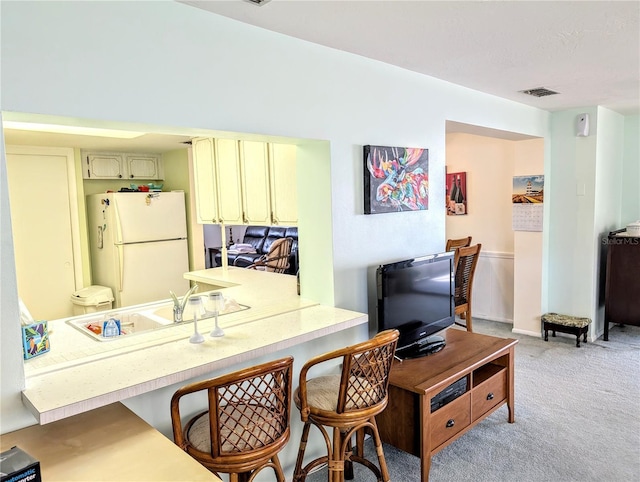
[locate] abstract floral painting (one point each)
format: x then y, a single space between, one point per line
395 179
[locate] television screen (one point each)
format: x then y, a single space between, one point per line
415 296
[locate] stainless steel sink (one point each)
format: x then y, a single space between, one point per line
148 318
166 312
130 324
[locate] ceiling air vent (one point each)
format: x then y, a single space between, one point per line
539 92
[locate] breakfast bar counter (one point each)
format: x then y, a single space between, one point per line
108 444
79 374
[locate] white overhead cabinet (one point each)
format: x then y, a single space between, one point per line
238 182
229 182
144 166
284 194
254 168
205 181
121 165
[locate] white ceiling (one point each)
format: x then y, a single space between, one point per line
588 51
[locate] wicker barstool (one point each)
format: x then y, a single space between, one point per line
348 403
246 424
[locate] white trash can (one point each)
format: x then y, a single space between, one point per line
92 299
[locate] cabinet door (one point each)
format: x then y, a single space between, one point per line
103 165
229 184
255 182
284 190
144 166
204 179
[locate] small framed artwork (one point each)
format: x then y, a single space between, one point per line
456 200
395 179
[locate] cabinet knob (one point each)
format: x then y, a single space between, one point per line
450 423
120 176
490 396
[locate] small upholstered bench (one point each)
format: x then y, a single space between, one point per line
565 324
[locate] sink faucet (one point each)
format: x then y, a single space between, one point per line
178 306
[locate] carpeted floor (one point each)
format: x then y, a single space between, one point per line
577 418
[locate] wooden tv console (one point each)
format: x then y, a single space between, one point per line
408 423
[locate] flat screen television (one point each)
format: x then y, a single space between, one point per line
416 297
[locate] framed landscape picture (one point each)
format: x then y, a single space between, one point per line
395 179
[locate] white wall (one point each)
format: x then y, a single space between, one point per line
631 171
488 163
608 203
528 247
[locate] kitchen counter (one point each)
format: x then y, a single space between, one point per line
80 374
107 444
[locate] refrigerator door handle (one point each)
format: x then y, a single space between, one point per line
120 249
118 223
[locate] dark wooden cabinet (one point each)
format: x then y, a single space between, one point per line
409 423
622 291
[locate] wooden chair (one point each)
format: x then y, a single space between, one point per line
465 261
246 424
348 403
453 244
277 260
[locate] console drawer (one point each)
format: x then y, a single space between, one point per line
450 419
488 394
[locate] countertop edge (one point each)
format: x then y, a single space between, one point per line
45 416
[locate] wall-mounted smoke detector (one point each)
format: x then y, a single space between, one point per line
257 2
539 92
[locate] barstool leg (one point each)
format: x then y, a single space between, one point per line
277 467
297 474
336 461
378 444
348 464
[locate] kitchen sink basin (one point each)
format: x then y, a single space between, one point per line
166 312
130 324
133 323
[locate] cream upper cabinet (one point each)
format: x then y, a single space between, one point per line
227 161
144 166
103 165
121 165
254 166
284 193
244 182
205 181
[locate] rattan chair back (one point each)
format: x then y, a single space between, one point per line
465 262
453 244
277 259
246 423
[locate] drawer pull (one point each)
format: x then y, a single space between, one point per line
450 423
490 396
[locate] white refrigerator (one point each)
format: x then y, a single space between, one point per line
138 244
